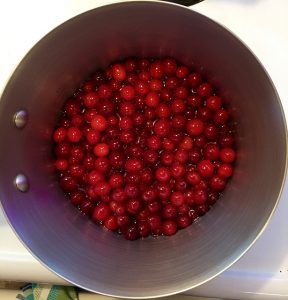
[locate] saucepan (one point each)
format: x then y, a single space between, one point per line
56 233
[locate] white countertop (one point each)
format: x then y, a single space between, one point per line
262 273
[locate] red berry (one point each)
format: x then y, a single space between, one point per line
61 164
152 99
162 174
194 80
128 92
217 183
104 91
90 100
59 135
205 90
227 155
68 183
177 198
133 165
111 223
225 170
118 72
101 212
205 168
169 66
156 69
101 149
183 221
221 116
99 123
195 127
162 127
182 72
74 134
169 227
77 197
214 103
102 188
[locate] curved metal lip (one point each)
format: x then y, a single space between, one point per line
242 44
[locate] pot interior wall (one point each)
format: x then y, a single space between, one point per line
67 242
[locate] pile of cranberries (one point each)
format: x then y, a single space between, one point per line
144 147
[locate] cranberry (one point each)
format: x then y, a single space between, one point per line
154 222
211 132
214 103
116 180
68 183
182 72
99 123
142 87
144 75
211 152
162 127
194 80
76 170
123 220
225 170
74 134
156 85
169 211
205 90
205 168
127 137
101 149
61 164
118 72
154 207
127 92
204 114
94 177
93 137
72 107
186 143
127 108
177 198
87 207
102 164
221 116
169 66
195 127
227 155
171 83
200 196
133 165
164 190
156 69
111 223
102 188
143 228
167 158
177 170
59 135
133 206
181 156
152 99
146 176
105 107
118 195
162 174
90 100
169 227
77 197
166 95
193 177
217 183
178 122
226 140
183 221
104 91
117 159
149 194
195 101
130 232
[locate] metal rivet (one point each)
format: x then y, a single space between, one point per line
21 183
21 118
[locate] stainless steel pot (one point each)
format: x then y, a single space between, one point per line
56 233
